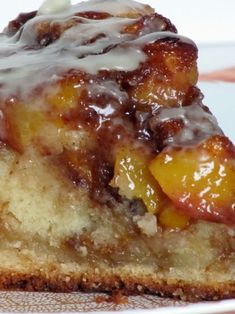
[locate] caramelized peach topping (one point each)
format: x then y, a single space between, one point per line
170 217
22 124
198 183
149 102
170 83
134 180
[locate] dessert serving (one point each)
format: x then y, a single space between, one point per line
115 176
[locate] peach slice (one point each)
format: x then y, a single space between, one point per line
200 181
170 217
134 180
22 125
167 78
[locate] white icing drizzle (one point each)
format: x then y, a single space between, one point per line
153 37
113 7
109 108
109 88
54 6
36 66
198 124
24 64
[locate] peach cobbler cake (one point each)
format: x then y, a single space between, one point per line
114 173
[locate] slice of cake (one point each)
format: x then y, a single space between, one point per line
114 174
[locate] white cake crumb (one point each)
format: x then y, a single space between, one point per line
147 223
83 250
17 245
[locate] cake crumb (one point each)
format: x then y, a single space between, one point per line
17 245
147 223
140 288
67 279
117 297
83 251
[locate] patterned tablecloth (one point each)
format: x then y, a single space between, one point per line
75 302
22 302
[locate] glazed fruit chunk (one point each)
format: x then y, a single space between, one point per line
134 180
22 123
168 76
199 180
170 217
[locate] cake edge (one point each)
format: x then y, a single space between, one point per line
111 283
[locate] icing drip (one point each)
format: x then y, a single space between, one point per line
197 124
109 109
88 45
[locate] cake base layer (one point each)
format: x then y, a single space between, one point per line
63 241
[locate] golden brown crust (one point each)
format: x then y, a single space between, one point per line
116 282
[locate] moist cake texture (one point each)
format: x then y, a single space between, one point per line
114 174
